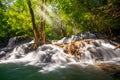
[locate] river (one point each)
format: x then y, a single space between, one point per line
51 62
72 72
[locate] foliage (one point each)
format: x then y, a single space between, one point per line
73 16
15 19
91 15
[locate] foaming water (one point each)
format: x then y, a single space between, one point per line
50 58
44 54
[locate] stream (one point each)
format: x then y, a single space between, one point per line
98 60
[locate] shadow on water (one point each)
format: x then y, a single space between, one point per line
71 72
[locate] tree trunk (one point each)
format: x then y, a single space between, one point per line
36 42
42 24
63 33
110 32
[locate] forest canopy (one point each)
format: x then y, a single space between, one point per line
54 19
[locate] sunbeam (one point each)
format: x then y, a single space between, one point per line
48 14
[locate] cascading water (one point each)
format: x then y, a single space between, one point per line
11 42
50 57
101 51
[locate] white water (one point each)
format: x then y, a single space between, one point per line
50 57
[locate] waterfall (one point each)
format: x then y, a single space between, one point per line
11 42
91 51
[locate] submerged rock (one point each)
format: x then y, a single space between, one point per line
111 69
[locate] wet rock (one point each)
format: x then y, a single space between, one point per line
80 36
90 49
2 54
90 35
15 41
18 40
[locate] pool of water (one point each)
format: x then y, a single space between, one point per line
72 72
